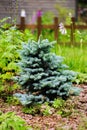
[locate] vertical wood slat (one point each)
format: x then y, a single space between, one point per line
39 26
22 23
56 28
72 30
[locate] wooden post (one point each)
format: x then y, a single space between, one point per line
72 30
39 26
22 24
56 28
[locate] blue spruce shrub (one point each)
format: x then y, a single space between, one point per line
43 74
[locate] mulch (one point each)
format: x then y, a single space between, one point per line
54 121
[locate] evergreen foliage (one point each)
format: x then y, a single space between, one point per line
43 74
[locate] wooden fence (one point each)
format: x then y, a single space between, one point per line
55 26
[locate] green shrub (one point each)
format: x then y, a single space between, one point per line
43 74
10 42
9 121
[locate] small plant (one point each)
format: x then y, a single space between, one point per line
12 100
9 121
68 108
64 108
33 110
46 109
58 103
81 78
43 74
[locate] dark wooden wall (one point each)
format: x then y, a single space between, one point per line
13 9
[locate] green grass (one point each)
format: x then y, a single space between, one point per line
75 57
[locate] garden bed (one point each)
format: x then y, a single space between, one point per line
75 121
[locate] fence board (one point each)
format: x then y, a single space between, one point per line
55 26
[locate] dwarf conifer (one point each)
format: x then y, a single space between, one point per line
43 74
